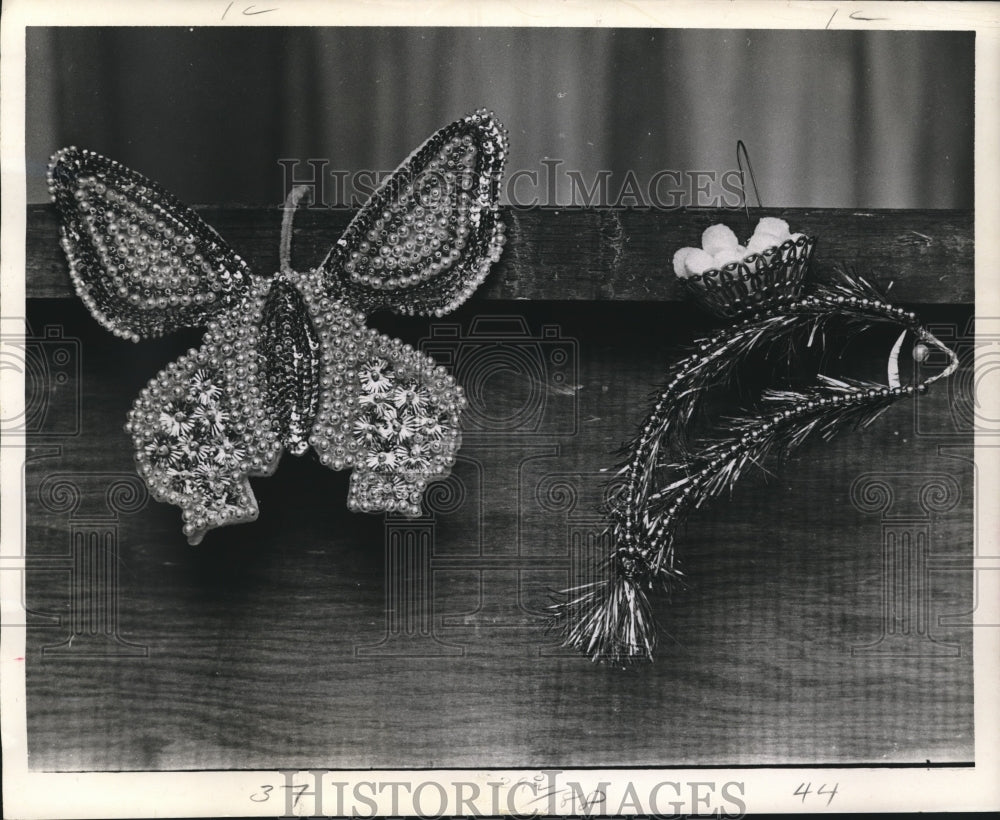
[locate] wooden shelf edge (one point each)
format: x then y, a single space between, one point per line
596 254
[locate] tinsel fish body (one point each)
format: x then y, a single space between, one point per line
664 476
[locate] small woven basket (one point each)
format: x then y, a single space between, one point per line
776 273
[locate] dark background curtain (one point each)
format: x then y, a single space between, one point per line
831 119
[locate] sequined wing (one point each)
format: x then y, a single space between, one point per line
383 409
204 424
429 234
142 262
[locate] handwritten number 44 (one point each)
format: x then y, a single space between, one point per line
805 789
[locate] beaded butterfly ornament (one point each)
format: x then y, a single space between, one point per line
287 362
763 291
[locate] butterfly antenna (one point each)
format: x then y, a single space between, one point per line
295 196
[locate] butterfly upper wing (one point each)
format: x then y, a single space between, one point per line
142 262
429 234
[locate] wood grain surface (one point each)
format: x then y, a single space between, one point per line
312 639
605 254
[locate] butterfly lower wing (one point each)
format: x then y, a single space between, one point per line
384 410
429 234
143 263
202 426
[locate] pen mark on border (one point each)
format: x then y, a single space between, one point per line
249 11
856 15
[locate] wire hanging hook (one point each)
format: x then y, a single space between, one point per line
743 154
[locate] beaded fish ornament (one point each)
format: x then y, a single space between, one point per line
763 290
287 362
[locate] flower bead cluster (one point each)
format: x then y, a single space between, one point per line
405 434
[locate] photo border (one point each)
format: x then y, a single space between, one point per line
763 788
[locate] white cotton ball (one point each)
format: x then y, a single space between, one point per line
727 255
679 259
760 242
697 262
774 226
717 238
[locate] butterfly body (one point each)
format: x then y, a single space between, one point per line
291 365
287 362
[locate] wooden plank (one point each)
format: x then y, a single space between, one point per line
603 254
271 645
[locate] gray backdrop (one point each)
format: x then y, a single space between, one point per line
834 119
